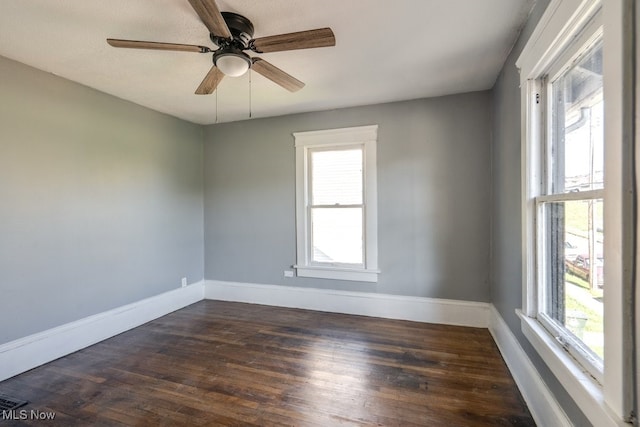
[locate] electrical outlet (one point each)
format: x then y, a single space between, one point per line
288 273
184 282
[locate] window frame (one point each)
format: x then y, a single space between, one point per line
589 37
306 142
561 32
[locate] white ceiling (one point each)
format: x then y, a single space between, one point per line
386 50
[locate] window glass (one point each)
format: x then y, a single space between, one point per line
337 235
575 270
336 177
577 151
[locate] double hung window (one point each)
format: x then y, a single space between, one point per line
569 207
336 211
336 206
576 216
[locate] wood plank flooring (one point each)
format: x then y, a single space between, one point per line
220 363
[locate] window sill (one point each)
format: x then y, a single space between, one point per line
336 273
580 385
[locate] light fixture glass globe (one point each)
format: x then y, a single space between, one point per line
233 64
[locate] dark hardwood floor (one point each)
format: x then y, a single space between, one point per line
220 363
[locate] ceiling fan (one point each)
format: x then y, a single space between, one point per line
233 34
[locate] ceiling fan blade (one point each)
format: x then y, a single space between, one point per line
210 82
138 44
209 13
276 75
321 37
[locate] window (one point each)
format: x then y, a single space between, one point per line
336 206
575 181
336 211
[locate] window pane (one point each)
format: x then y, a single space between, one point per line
577 149
336 235
336 177
573 258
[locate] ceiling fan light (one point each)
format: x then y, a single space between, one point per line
233 64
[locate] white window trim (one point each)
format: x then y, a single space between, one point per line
304 141
605 403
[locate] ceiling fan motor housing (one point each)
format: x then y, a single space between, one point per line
241 29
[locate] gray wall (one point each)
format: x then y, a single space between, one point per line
101 201
506 218
636 139
433 197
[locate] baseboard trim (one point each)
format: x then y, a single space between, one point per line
418 309
544 408
34 350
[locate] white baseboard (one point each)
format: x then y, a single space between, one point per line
34 350
429 310
544 408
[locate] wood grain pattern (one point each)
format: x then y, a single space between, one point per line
276 75
220 363
139 44
210 81
320 37
209 13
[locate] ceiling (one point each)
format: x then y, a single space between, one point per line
385 51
